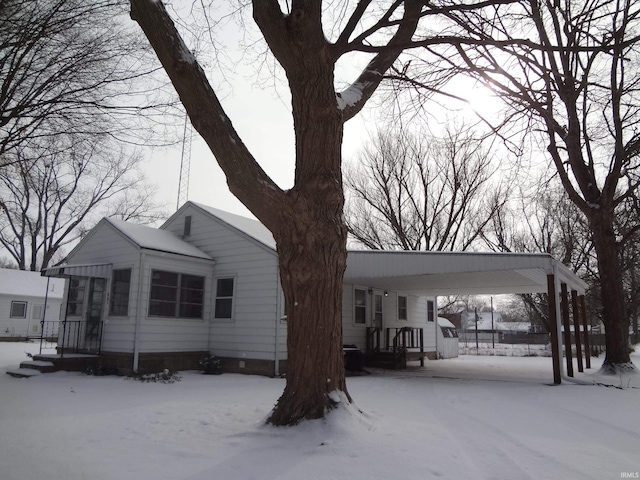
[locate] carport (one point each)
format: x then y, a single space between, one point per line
473 273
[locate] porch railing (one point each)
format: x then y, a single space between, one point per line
49 333
400 343
72 336
373 339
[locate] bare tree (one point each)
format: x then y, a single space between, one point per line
544 220
569 71
417 192
76 67
7 263
306 220
49 203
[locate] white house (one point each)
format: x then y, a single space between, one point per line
26 299
207 282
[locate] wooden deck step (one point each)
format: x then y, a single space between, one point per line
40 365
23 372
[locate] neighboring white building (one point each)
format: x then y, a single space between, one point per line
207 282
26 298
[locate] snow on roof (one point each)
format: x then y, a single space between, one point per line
249 226
28 284
155 239
443 322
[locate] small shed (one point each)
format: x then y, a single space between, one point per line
26 299
447 339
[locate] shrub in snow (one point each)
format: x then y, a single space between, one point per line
210 365
101 370
166 376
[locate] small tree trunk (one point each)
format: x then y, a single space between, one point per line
614 311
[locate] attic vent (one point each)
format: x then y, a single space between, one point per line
187 226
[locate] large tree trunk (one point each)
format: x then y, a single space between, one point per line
312 248
312 255
614 311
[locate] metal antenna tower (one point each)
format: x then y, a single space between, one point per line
185 164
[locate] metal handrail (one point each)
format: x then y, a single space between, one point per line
73 335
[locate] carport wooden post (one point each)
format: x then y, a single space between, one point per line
553 327
587 347
576 328
564 302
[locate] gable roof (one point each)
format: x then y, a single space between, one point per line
28 284
248 227
159 240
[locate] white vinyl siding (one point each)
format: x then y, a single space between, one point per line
252 332
416 317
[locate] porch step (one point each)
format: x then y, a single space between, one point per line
383 360
71 362
40 365
23 372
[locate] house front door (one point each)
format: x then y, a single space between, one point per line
94 313
377 317
37 312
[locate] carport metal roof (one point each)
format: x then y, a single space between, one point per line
458 273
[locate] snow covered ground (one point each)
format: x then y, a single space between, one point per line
465 418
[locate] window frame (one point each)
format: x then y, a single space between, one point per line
357 307
431 311
113 294
225 298
15 303
177 301
73 300
403 316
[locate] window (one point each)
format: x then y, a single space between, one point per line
176 295
360 306
18 309
431 311
120 285
224 298
36 312
449 332
191 296
402 307
75 296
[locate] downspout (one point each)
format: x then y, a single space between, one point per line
276 354
136 331
435 312
44 314
563 374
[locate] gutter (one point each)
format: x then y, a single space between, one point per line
276 354
136 331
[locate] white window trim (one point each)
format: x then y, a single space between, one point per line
180 273
131 285
367 306
435 314
234 298
16 302
406 307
